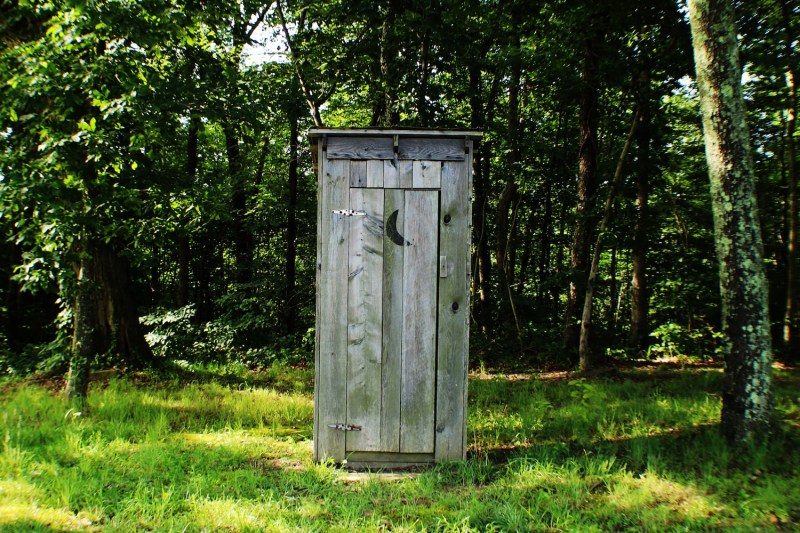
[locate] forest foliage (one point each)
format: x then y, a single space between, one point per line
157 149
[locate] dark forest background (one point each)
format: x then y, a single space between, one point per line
159 150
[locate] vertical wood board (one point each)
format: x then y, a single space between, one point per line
427 174
406 174
358 173
364 322
332 369
453 313
419 322
374 173
391 173
393 256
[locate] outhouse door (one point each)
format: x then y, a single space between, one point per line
391 319
392 302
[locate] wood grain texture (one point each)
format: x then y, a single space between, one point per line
320 169
427 174
364 320
331 372
375 173
406 174
391 173
453 313
358 173
431 149
393 256
360 147
419 322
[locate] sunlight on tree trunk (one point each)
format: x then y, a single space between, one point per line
747 399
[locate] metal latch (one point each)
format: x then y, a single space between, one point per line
349 212
344 427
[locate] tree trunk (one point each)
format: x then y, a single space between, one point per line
86 343
242 240
184 249
587 178
390 77
747 398
117 314
639 291
289 304
791 331
508 197
481 272
586 318
611 317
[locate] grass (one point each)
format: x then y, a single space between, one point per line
636 449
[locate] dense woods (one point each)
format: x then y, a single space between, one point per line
159 205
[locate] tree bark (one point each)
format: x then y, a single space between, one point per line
289 304
509 197
791 331
481 271
86 343
747 397
242 240
118 318
587 177
586 318
639 334
184 250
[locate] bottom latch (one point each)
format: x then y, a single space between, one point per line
344 427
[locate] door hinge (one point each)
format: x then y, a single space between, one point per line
349 212
344 427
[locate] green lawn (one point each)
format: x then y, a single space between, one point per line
636 449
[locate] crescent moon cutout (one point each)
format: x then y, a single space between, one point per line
391 230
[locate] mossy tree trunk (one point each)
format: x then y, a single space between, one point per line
747 387
86 337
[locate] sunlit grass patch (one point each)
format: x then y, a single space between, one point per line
635 451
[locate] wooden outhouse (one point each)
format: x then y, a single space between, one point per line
394 218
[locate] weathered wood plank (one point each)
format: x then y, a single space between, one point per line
419 322
406 174
331 371
320 169
393 255
375 173
427 174
390 457
391 173
360 147
364 323
361 132
358 173
431 149
453 313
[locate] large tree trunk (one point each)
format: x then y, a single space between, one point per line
639 291
587 178
289 304
746 399
791 331
117 314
